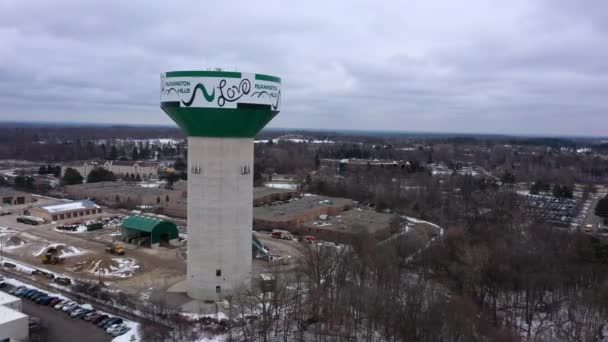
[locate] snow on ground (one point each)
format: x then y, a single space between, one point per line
131 335
125 268
9 238
23 268
64 251
80 229
193 316
279 185
108 267
84 204
152 184
18 283
20 267
415 220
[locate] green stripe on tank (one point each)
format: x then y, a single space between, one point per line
242 122
228 74
267 78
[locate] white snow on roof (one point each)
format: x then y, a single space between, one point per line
9 315
85 204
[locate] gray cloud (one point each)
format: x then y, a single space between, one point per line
474 66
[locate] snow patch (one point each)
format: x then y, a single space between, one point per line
63 251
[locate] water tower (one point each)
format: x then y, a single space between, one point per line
221 112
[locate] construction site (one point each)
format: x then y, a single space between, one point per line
147 253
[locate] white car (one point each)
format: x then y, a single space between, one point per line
60 304
76 312
68 306
113 328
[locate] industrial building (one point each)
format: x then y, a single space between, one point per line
143 230
67 212
120 194
220 112
293 214
14 197
265 195
343 227
13 323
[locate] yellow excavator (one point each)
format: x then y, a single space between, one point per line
116 248
51 258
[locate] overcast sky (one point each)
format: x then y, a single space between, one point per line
529 66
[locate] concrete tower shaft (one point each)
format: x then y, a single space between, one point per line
220 112
219 214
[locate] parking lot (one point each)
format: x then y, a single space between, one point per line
60 327
555 211
64 320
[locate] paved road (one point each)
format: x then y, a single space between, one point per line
59 326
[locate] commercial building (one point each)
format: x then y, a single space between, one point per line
13 323
221 112
143 230
293 214
14 197
120 168
344 227
67 212
120 194
266 195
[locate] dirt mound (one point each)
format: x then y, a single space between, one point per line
13 242
63 251
107 266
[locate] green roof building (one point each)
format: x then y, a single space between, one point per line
137 229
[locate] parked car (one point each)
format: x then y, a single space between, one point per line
113 327
308 239
37 296
31 294
21 293
115 320
63 281
34 323
40 300
54 302
72 309
81 313
104 321
90 315
49 301
118 332
14 290
68 306
99 318
60 305
2 281
76 311
25 293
